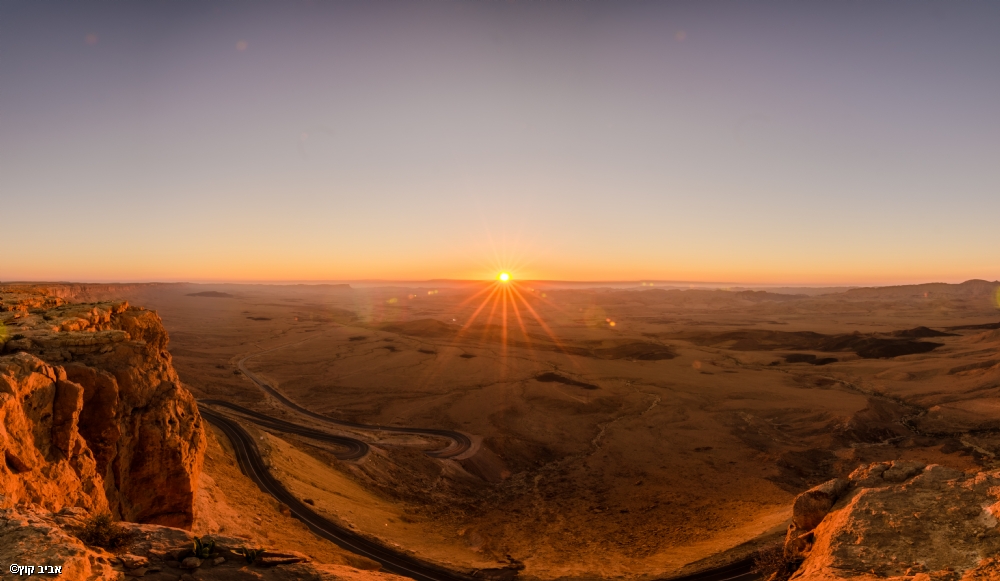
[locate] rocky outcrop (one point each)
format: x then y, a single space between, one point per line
899 520
94 385
36 537
45 460
811 507
808 510
93 418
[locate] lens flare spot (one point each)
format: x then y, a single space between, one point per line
504 277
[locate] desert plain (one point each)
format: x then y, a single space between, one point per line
627 431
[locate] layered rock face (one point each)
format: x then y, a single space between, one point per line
45 459
93 414
899 520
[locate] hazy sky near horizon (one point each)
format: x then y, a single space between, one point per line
756 142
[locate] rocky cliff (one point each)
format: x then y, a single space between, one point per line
93 419
92 413
43 540
898 521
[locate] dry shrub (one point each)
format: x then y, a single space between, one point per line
101 531
771 563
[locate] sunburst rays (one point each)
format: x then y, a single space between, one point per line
501 315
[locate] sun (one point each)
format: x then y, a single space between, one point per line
504 277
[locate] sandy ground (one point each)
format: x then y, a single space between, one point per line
632 449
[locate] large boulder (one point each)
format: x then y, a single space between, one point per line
904 522
811 506
808 510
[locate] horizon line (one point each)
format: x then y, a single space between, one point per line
389 282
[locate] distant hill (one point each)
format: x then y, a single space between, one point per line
212 295
967 289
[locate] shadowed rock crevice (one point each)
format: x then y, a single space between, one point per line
98 422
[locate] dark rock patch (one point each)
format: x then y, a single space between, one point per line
638 351
881 421
973 366
808 358
921 332
986 327
556 378
879 349
867 346
798 470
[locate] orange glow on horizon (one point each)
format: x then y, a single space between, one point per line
268 266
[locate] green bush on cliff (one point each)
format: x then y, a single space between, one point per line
251 555
3 333
203 547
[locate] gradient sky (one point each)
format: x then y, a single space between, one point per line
755 142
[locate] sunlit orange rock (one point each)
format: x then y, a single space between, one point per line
99 393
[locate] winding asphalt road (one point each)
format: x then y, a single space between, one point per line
253 466
251 463
355 449
460 442
397 562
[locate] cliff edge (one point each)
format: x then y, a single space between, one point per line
92 414
94 420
